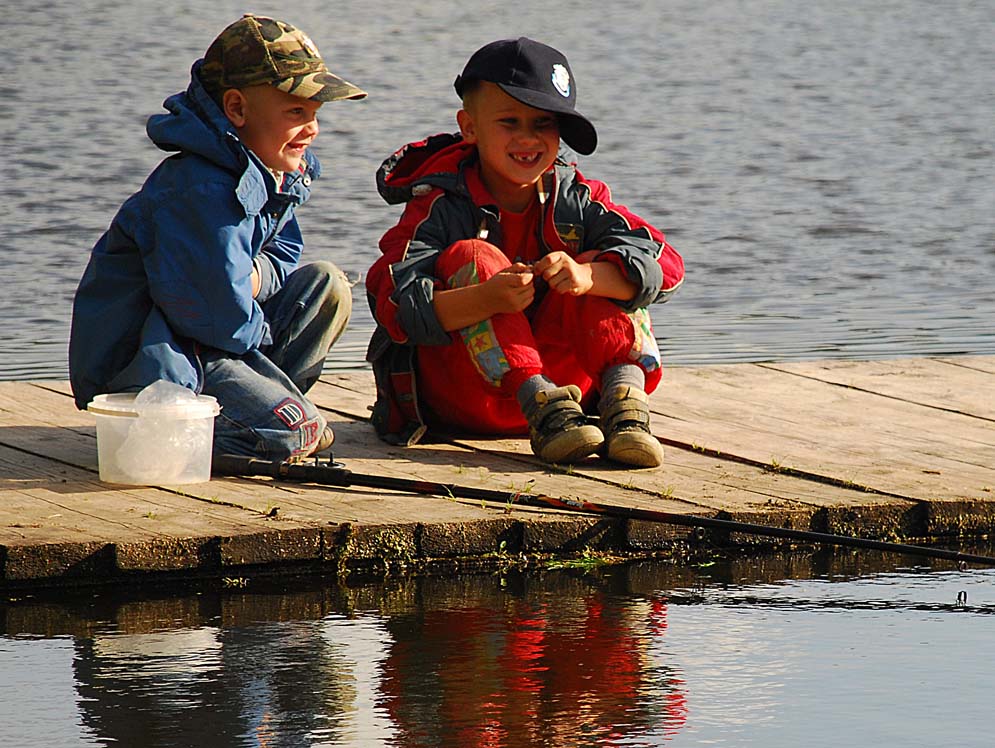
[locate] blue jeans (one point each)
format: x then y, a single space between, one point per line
264 412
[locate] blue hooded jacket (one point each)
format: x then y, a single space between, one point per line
172 274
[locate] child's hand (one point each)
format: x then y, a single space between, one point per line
564 274
511 290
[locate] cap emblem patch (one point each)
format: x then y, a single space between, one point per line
561 80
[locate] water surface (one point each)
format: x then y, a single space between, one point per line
643 655
825 169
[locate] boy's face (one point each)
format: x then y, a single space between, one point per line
276 126
516 142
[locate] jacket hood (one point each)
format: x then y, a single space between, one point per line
194 123
436 162
418 167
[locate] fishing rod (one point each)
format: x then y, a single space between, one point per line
330 473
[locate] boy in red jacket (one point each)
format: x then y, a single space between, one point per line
512 290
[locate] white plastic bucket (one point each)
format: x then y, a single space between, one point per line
162 444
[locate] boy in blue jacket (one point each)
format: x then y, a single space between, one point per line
197 280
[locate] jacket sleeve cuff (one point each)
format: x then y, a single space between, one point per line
643 271
269 282
416 314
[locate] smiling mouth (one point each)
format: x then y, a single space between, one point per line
526 159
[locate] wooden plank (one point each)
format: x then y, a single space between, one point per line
925 381
37 420
697 483
740 486
258 499
325 505
25 402
29 429
297 504
981 363
42 500
758 413
856 437
893 426
442 462
60 386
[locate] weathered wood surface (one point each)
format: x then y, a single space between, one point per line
901 448
961 385
802 419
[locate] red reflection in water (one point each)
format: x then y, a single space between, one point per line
533 676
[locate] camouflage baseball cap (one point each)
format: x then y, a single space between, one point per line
258 50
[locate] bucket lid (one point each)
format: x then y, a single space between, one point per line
122 404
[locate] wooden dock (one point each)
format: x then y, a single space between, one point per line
902 450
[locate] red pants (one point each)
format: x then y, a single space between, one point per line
471 383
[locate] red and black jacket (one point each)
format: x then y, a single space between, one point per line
443 206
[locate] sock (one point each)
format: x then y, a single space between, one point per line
528 390
620 375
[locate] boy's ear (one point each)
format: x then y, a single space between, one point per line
466 126
233 105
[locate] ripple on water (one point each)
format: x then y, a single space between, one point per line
777 172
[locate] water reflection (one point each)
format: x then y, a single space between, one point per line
287 683
641 655
556 669
475 662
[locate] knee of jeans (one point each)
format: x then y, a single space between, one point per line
322 274
483 257
333 282
330 287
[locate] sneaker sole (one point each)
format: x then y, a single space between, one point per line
635 448
573 445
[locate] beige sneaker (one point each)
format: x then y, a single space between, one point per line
326 440
625 422
558 429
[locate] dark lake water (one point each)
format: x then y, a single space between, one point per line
826 169
854 652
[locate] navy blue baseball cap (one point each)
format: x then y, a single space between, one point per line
537 75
